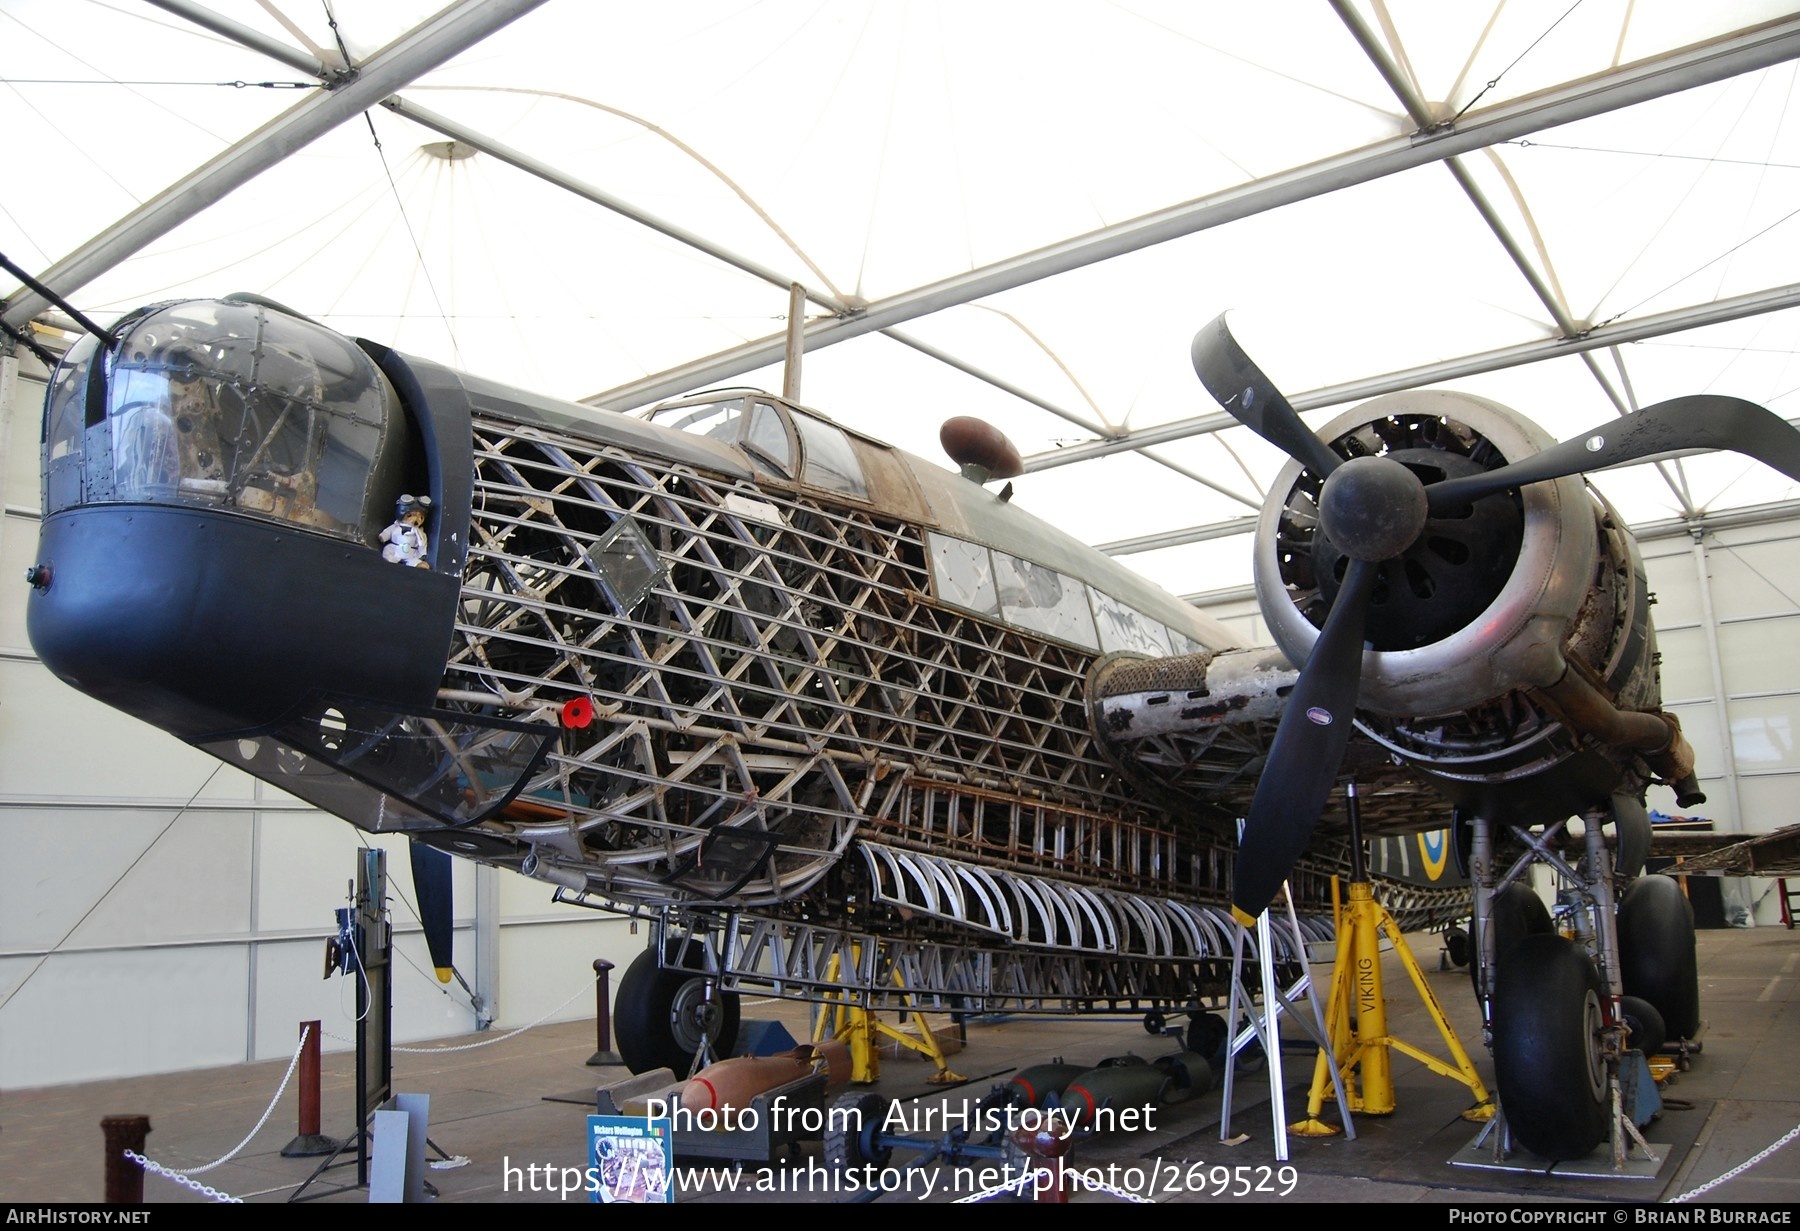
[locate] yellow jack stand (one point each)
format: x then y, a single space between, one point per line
1356 982
862 1031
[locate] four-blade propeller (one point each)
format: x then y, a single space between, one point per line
1373 509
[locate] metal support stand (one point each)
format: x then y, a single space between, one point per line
1363 1047
364 950
862 1031
1263 1023
1599 892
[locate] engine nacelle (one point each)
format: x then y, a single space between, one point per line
1480 605
1512 658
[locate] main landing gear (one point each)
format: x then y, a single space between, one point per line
1560 1018
670 1018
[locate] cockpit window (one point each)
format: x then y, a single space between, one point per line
767 439
719 420
830 462
759 434
1036 597
63 415
231 405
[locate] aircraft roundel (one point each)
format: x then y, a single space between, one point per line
1434 851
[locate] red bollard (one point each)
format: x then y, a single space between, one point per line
603 1052
311 1142
1046 1141
124 1178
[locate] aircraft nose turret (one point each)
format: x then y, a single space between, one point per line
214 486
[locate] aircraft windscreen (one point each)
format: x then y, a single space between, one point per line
762 435
229 405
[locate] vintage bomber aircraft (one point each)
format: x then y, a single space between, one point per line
841 722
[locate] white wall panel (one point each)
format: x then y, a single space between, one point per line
184 883
543 965
83 1016
19 477
14 971
291 988
1244 619
1761 656
59 864
306 865
1762 734
56 742
1754 578
1686 670
1771 800
18 552
1669 568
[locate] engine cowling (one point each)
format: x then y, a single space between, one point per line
1477 606
1510 658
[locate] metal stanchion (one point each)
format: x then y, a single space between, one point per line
603 1052
310 1142
124 1178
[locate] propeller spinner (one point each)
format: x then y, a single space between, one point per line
1372 510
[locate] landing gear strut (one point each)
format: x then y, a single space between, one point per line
1559 1018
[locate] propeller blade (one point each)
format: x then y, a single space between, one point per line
1308 747
1701 421
431 871
1252 399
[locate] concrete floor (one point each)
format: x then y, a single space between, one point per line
507 1107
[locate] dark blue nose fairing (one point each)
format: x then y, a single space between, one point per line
214 487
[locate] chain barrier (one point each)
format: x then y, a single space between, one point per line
205 1190
1069 1174
1014 1187
267 1112
180 1174
1735 1171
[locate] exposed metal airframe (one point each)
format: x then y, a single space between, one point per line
788 717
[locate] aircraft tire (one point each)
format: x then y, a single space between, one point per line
659 1017
1207 1034
1548 1063
1648 1033
1457 947
1656 952
851 1131
1516 912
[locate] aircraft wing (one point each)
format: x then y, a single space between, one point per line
1769 854
1198 728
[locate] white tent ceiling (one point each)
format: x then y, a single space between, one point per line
1055 195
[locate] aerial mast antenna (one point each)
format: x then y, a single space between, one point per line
796 326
